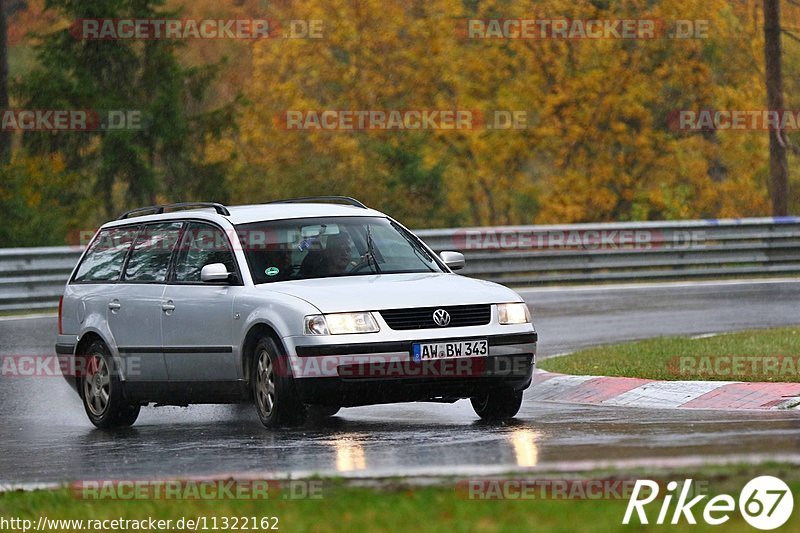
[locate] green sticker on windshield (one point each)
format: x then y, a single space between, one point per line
272 271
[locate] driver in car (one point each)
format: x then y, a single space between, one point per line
338 254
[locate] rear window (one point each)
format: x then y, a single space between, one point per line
105 256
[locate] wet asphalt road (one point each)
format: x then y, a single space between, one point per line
45 437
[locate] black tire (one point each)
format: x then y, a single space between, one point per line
274 393
322 411
101 390
501 404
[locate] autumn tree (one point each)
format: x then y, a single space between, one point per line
165 157
5 136
598 146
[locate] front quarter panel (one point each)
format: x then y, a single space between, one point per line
282 312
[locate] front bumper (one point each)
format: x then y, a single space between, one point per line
383 372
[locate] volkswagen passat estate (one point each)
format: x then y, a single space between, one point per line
300 306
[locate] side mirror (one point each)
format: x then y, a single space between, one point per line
453 260
214 272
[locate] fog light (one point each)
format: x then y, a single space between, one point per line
315 325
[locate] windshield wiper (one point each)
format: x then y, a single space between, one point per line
371 251
416 246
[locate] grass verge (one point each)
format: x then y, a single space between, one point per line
757 355
396 506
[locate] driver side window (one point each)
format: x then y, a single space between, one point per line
201 245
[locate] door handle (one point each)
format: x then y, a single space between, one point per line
114 305
168 306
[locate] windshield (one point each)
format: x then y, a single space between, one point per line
308 248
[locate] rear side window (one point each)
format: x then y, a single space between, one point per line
106 255
201 245
151 253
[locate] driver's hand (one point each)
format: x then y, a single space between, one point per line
362 260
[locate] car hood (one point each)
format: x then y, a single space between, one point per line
393 291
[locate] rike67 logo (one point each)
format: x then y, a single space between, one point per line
765 503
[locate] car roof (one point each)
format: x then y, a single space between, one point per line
244 214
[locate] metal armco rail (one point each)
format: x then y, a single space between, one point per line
33 278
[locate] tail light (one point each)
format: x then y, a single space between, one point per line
60 307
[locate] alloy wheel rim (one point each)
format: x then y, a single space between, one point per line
97 385
265 384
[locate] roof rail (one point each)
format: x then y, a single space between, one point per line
158 209
321 199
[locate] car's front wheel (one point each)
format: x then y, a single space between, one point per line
101 391
500 404
273 388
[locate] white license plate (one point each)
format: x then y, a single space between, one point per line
425 351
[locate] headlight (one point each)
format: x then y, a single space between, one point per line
513 313
340 324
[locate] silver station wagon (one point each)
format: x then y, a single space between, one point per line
299 306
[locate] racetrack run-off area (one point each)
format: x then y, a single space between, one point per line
46 438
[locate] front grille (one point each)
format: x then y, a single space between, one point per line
422 317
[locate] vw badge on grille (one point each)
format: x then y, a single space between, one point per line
441 317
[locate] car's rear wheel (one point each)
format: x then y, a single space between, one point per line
101 391
500 404
273 387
